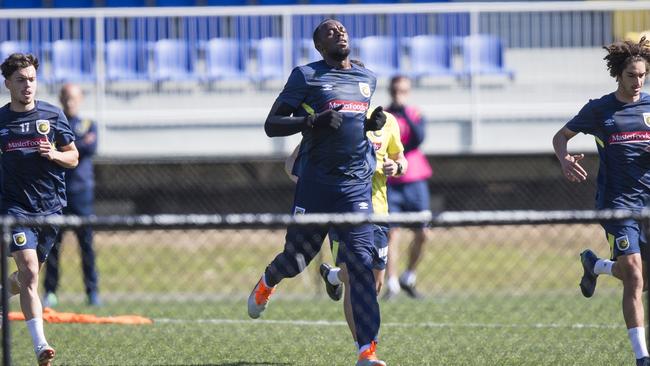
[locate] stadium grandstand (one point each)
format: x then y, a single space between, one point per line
146 69
149 3
180 90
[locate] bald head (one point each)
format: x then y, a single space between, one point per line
71 97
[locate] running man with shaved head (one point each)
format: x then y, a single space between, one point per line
327 101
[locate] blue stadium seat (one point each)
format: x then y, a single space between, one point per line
72 60
73 3
429 56
277 2
484 53
125 60
9 47
379 54
224 59
175 2
226 2
172 61
270 59
308 52
20 4
125 3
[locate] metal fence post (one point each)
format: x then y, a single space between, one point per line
6 341
646 229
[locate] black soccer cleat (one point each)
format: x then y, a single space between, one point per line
645 361
335 292
588 280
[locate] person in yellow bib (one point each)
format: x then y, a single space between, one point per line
390 162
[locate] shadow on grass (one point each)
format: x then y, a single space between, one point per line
242 363
250 363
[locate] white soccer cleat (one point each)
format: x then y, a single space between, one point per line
45 354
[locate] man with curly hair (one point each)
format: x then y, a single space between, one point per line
620 123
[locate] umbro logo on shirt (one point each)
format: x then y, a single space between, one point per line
327 87
363 205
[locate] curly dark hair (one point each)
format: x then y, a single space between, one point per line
621 54
17 61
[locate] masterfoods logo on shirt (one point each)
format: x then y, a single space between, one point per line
627 137
24 144
352 106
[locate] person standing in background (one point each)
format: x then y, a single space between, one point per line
409 192
80 187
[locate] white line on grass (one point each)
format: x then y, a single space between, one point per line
388 324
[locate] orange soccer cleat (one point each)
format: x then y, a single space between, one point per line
369 358
259 298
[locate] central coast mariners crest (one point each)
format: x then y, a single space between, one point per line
364 88
20 239
646 119
298 211
43 126
623 243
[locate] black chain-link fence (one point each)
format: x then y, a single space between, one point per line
492 288
471 182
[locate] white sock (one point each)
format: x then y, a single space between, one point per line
408 277
333 276
637 338
603 266
393 284
364 347
35 327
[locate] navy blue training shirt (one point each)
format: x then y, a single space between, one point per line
82 178
622 133
31 184
343 156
